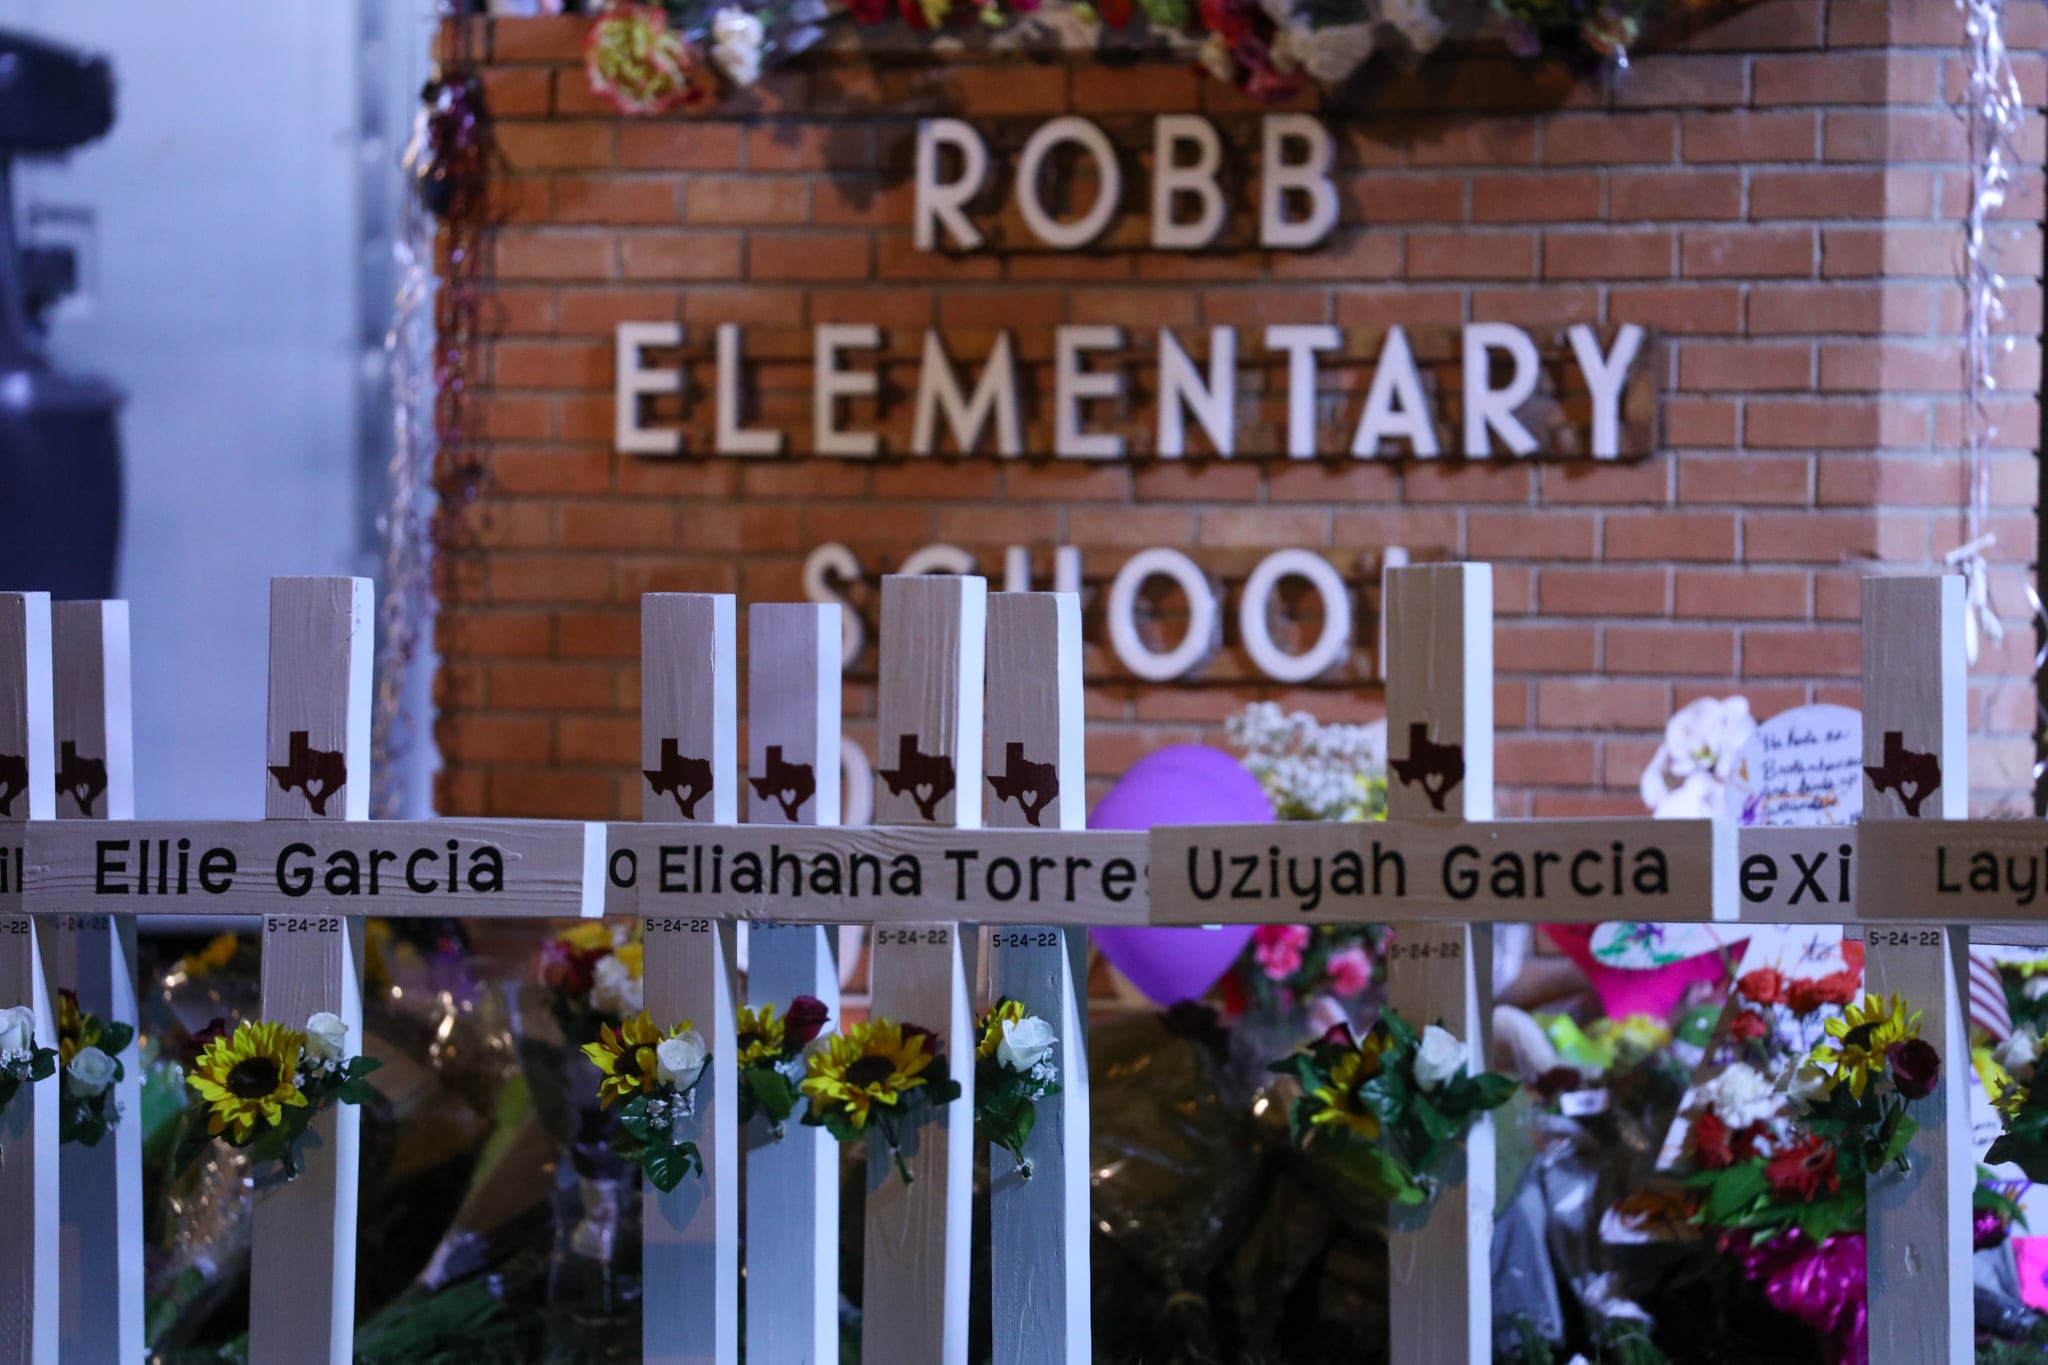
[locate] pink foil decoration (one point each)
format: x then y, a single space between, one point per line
1826 1286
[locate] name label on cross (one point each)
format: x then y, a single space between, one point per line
315 868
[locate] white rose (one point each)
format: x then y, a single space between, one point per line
2036 987
1438 1057
614 991
326 1035
2018 1053
1026 1043
92 1071
1740 1095
1335 51
680 1060
17 1029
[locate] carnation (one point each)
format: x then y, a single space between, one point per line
1740 1095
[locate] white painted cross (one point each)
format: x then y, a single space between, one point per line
928 771
1916 767
28 1129
93 954
793 727
690 774
1038 777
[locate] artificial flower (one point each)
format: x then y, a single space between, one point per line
1026 1043
1803 1169
760 1035
628 1057
679 1059
1350 970
1748 1026
1764 986
1342 1106
326 1036
17 1030
2019 1052
870 1064
736 38
616 989
249 1078
1916 1067
1278 948
1710 1142
91 1072
1804 1086
1809 995
1003 1011
1438 1057
1740 1095
638 63
1862 1036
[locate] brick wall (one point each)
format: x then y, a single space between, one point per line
1777 196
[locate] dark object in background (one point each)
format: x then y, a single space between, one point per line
60 450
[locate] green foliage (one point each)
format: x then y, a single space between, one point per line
42 1065
652 1144
766 1091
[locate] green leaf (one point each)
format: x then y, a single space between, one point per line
633 1118
771 1092
666 1164
1902 1133
43 1065
1494 1089
354 1092
362 1066
1440 1127
1735 1190
116 1037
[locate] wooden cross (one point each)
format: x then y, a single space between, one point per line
688 740
28 1129
793 733
928 766
1038 777
101 1298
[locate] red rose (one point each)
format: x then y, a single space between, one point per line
1559 1080
1803 1168
1749 1025
1764 986
197 1043
1916 1067
806 1018
1117 13
1710 1149
1338 1035
870 12
923 1037
1746 1145
1810 994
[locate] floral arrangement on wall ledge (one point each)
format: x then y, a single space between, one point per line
687 54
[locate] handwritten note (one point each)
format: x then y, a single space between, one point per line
1802 767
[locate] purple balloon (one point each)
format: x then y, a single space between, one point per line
1189 784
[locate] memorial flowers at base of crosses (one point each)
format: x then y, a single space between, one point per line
2011 1076
657 1075
89 1054
262 1085
592 972
771 1058
21 1061
1391 1107
879 1077
1013 1071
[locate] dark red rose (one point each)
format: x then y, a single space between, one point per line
1803 1169
871 12
196 1044
1559 1080
1710 1146
1746 1145
570 970
1117 13
1916 1067
1338 1035
926 1038
806 1019
1749 1025
1764 986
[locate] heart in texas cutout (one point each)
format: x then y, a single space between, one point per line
1189 784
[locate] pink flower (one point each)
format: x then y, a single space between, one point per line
1278 948
1350 971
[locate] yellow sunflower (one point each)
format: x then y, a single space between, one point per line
634 955
1341 1105
249 1078
1862 1034
75 1028
2007 1095
992 1027
626 1056
761 1036
869 1064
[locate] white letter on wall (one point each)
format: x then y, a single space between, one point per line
1310 175
828 571
1109 183
1301 344
937 203
636 380
1071 384
1214 404
1169 132
1330 647
1394 378
1123 625
829 383
1605 376
1490 409
734 439
995 395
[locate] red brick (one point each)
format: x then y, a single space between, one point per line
1743 594
1608 254
1846 78
554 39
554 146
1746 252
1745 479
1805 653
510 92
1683 80
1525 760
1601 704
1750 137
1668 535
1610 482
1670 195
613 200
1836 193
807 256
1668 651
1468 481
1826 537
1535 198
1604 592
1678 307
542 254
1609 139
1744 366
1543 647
1896 135
1529 535
1784 24
809 147
1471 255
1473 142
747 200
680 145
680 256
